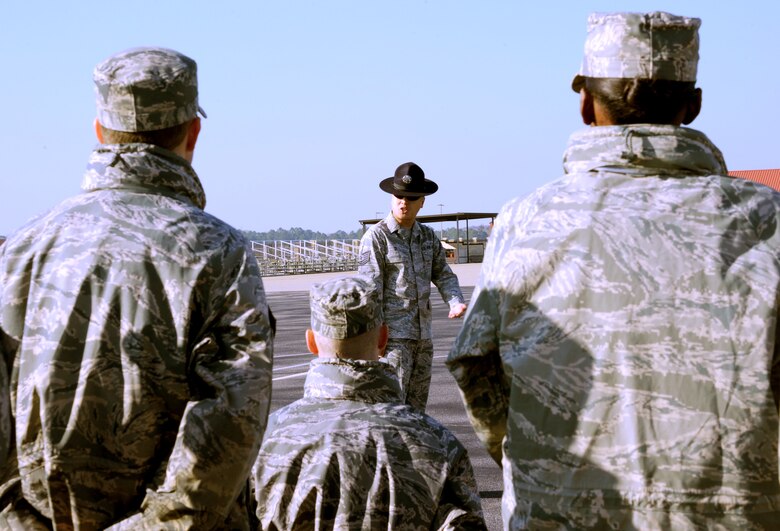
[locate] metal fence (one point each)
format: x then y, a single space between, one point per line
294 257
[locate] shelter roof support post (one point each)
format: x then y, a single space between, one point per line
457 237
468 243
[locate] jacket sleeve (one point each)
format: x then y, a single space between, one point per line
223 423
460 506
8 350
7 459
371 261
475 363
475 359
774 381
443 278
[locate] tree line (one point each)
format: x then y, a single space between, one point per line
298 233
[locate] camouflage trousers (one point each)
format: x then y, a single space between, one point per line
412 359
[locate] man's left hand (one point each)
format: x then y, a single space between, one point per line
457 311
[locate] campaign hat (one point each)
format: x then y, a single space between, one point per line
409 180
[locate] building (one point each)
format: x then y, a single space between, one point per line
770 178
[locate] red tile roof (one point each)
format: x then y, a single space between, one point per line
768 177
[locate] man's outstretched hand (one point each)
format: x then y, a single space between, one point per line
457 311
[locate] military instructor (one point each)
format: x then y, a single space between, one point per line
403 257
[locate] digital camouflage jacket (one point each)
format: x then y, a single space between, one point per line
403 272
138 335
350 455
620 352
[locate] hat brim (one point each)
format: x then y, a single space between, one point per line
387 185
577 83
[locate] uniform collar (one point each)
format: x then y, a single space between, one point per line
340 379
143 167
644 149
394 226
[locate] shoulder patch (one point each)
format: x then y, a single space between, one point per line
365 258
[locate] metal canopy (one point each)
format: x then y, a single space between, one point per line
439 218
457 217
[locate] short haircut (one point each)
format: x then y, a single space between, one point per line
168 138
634 101
351 347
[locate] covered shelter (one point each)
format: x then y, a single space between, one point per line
456 217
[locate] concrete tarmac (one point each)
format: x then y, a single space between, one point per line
288 298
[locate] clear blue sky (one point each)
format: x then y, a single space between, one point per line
312 103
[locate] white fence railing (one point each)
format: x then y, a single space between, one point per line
291 257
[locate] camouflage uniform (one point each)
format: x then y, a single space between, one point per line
350 455
620 353
138 335
403 270
619 343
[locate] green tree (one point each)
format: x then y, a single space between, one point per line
298 233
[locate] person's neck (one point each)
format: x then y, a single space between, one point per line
367 356
405 224
183 153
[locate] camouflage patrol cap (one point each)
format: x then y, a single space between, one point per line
344 307
146 89
654 45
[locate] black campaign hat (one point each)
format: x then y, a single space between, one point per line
409 180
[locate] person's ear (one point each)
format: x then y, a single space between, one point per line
382 340
586 107
693 107
192 134
311 342
99 131
422 202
